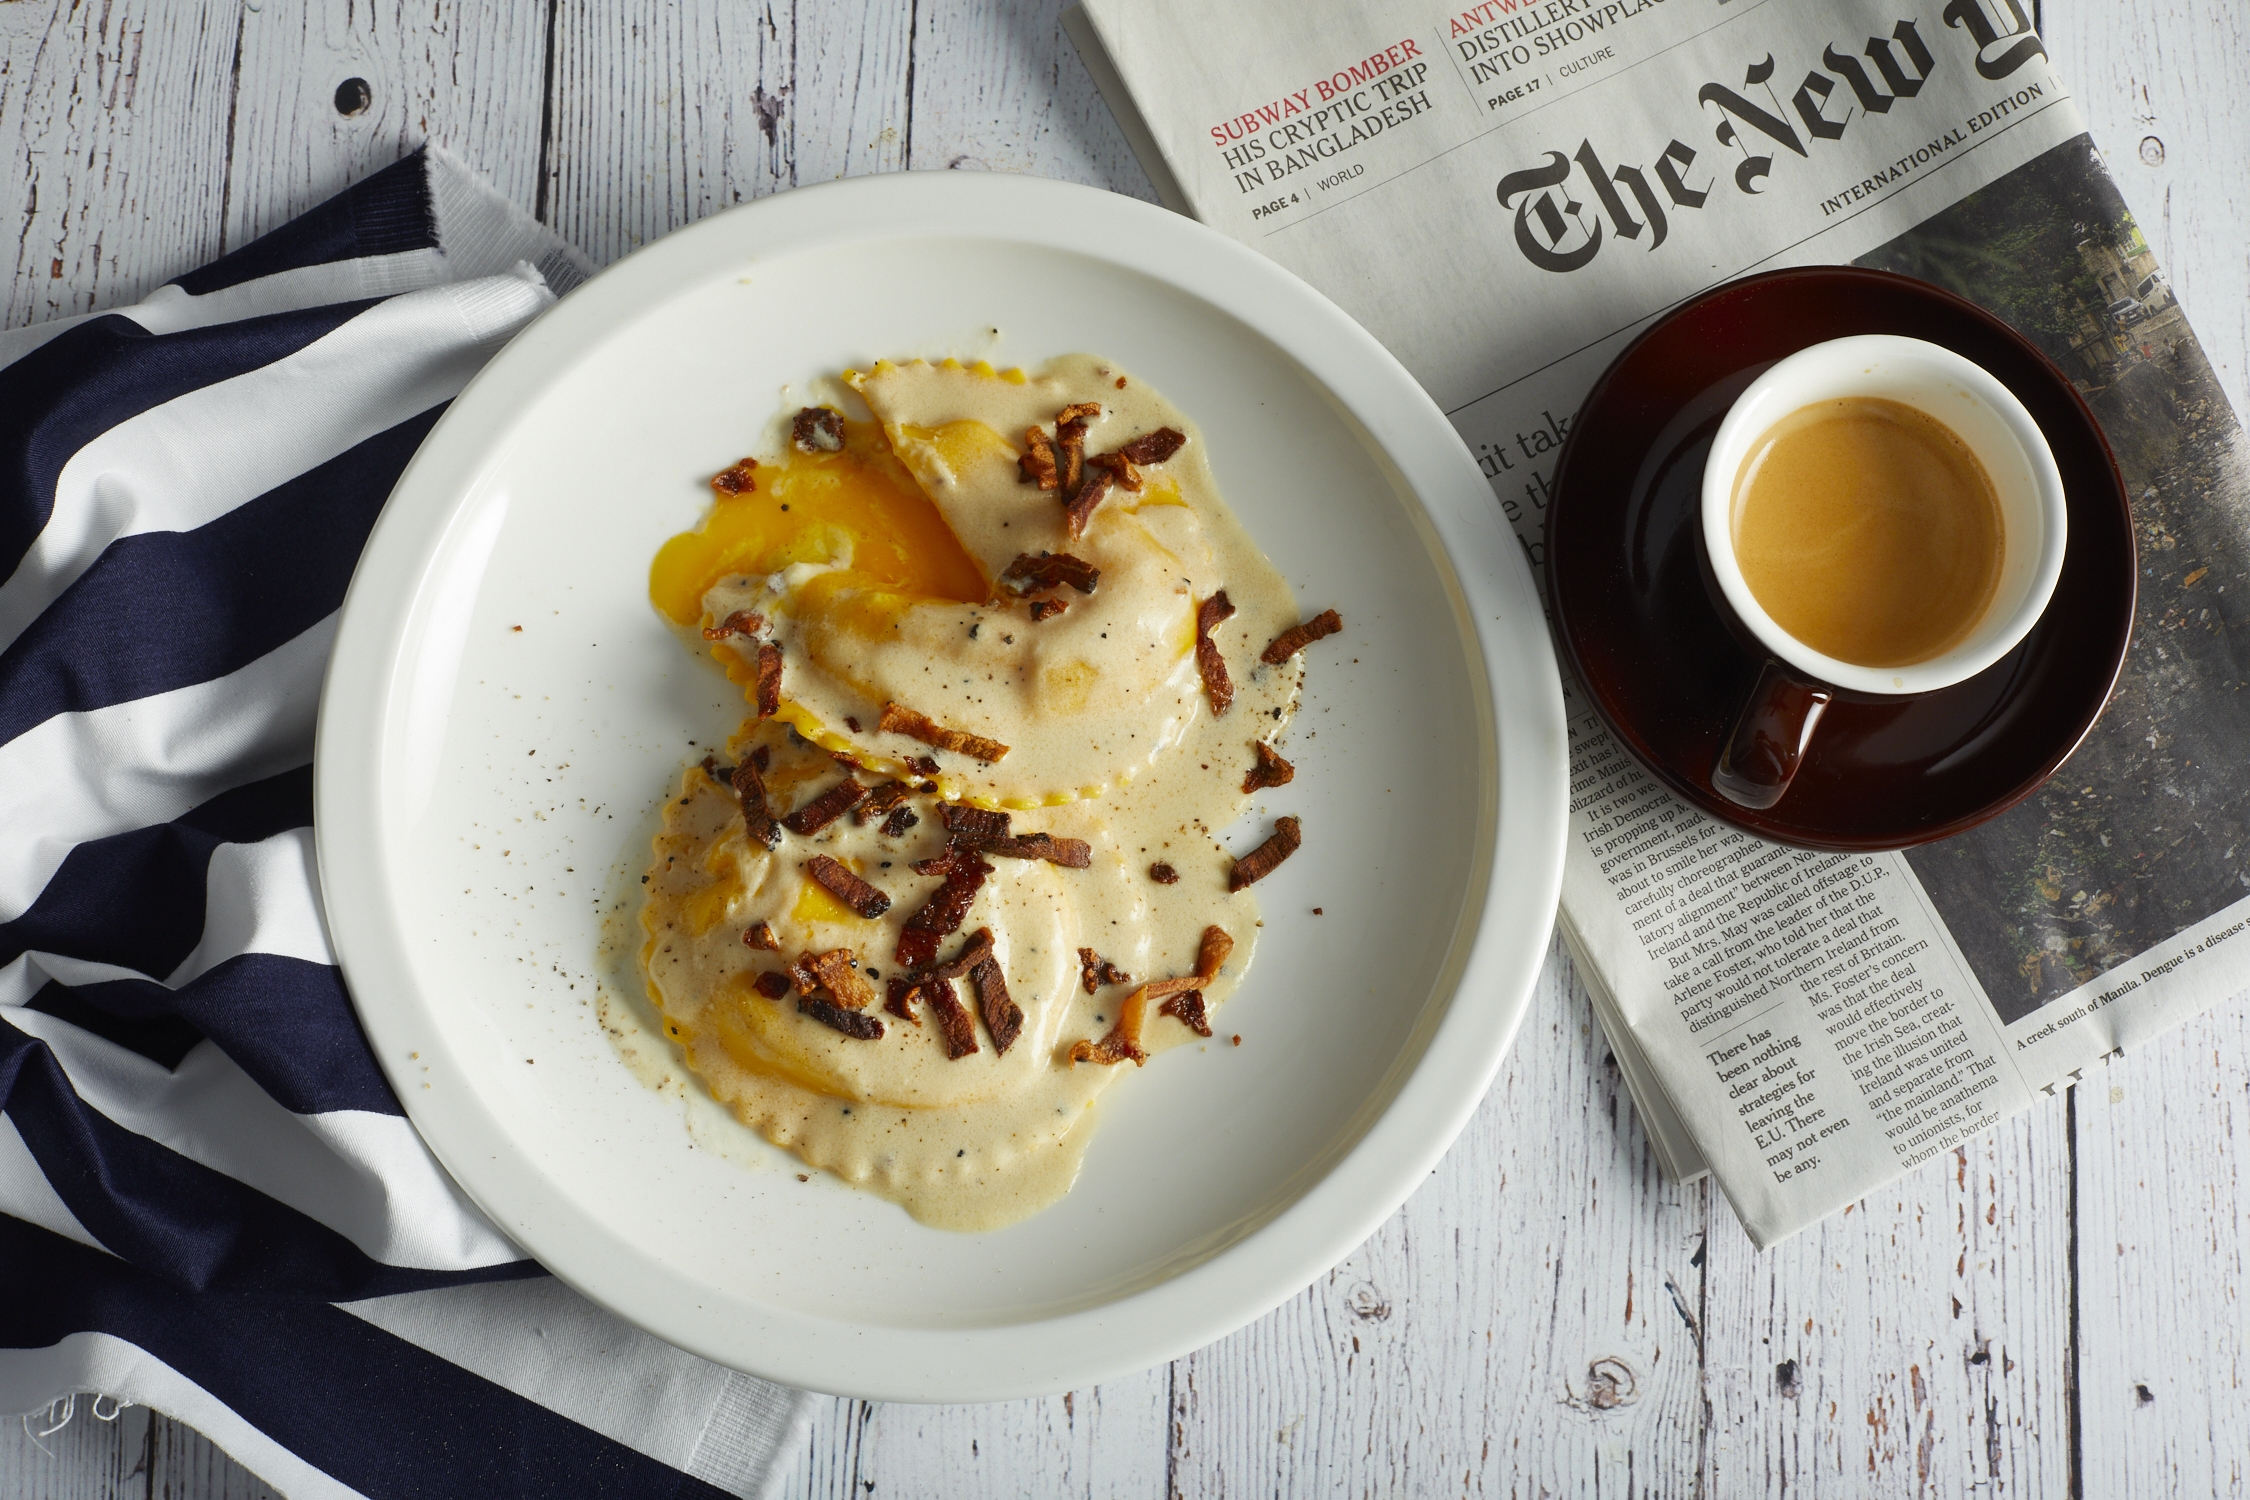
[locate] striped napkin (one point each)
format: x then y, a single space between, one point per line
210 1202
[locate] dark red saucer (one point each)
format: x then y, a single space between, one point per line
1638 622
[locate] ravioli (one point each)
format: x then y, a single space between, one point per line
880 563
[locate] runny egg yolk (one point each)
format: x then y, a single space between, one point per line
820 507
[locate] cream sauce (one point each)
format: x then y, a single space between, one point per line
984 1140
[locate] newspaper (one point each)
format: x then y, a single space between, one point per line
1505 194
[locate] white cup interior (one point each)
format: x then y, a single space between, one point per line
1965 398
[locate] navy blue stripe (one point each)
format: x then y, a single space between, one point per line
197 1229
135 899
381 215
381 1415
84 381
163 1040
287 1022
165 610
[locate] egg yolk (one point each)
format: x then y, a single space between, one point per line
859 502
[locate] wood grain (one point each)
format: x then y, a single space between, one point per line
1527 1324
999 88
117 119
468 78
84 1450
2163 1201
1916 1344
666 114
1104 1442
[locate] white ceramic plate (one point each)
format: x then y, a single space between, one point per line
484 792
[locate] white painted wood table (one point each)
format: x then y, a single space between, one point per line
2057 1309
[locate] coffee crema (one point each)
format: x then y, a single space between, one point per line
1868 530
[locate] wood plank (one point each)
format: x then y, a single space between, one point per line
2163 1237
1526 1325
2160 83
1916 1344
68 1453
667 114
468 78
1001 89
183 1464
116 116
1103 1442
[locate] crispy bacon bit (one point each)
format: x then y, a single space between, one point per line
1271 770
906 721
1070 453
1037 466
1123 1043
762 757
736 480
835 972
741 622
954 1025
936 992
1002 1016
1217 686
761 936
1211 953
838 880
880 800
772 984
977 825
1124 1039
1121 469
964 871
975 949
923 765
1260 862
818 429
850 1022
769 680
750 791
1078 411
901 819
825 808
1050 570
1094 971
1188 1008
1043 610
1154 447
1092 490
1297 637
1071 854
1163 874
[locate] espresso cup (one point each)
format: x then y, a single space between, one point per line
1797 683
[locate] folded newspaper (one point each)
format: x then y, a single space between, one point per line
1506 194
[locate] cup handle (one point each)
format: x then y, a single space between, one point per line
1769 737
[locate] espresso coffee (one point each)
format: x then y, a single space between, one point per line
1868 530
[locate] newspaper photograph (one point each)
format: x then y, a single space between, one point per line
1506 195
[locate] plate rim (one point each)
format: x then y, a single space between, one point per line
1501 939
1762 824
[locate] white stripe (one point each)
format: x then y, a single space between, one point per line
548 1344
260 898
365 1175
26 1193
25 974
168 309
32 1379
87 775
192 459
